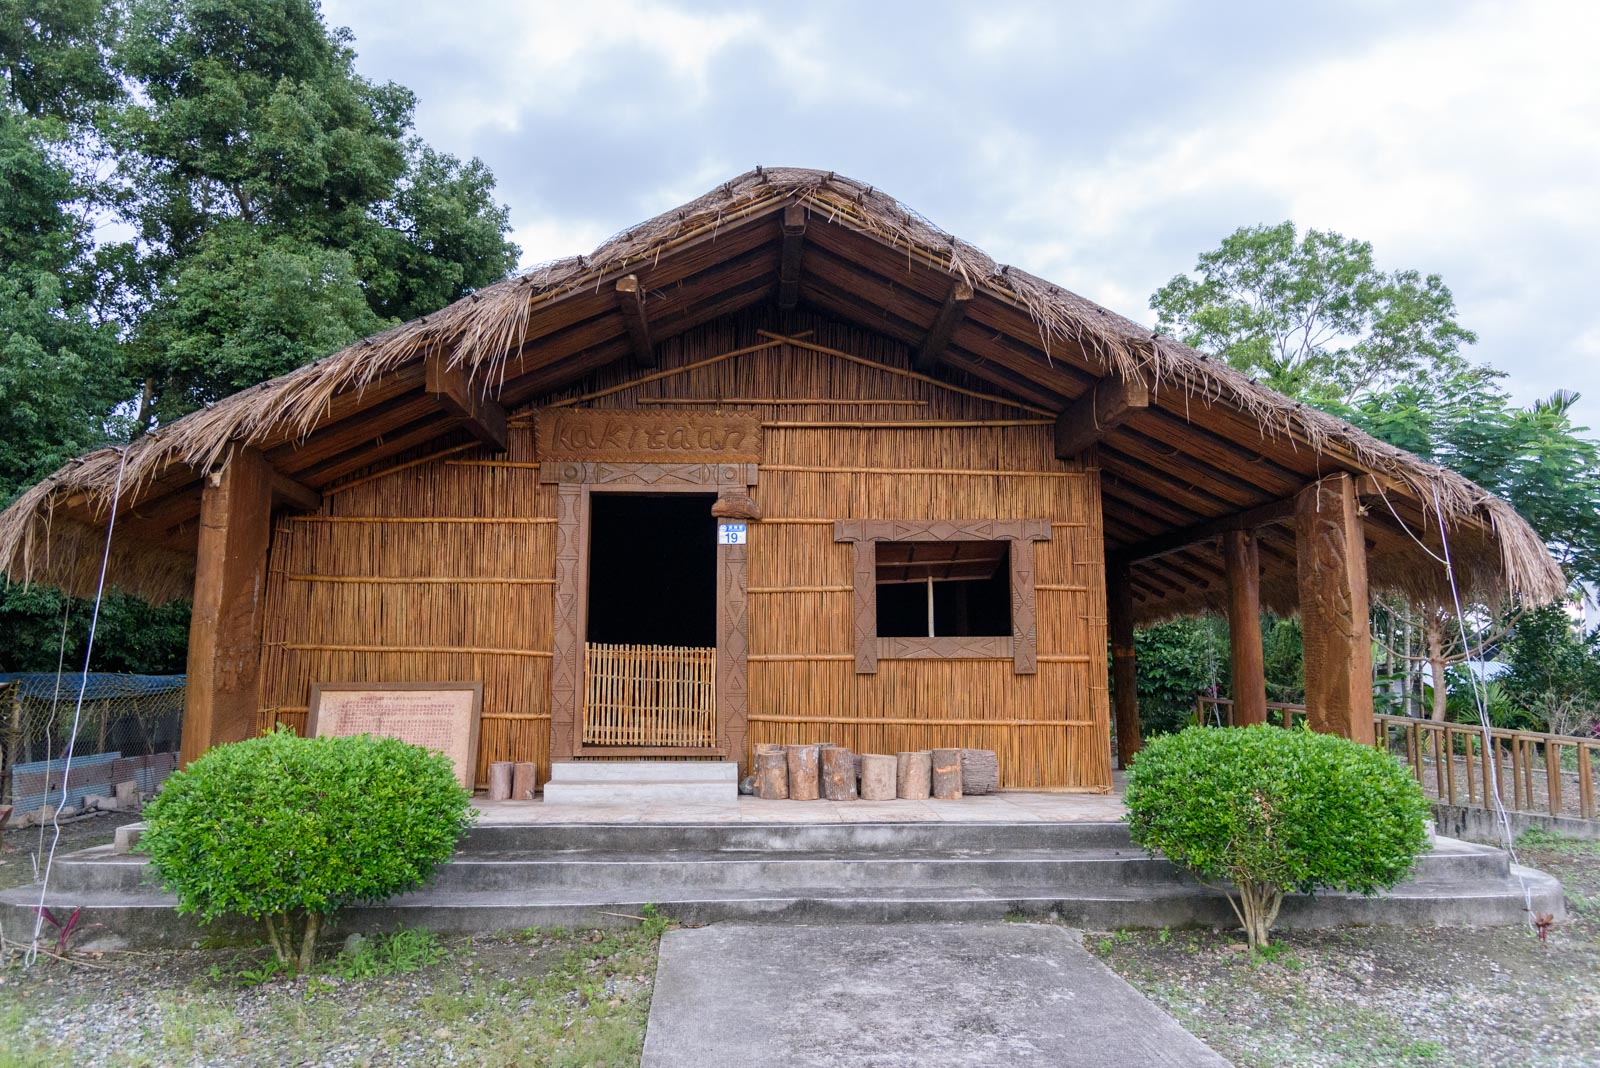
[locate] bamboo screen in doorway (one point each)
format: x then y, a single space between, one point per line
649 695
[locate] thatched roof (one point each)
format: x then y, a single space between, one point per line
522 337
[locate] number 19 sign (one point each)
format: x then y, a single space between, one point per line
730 533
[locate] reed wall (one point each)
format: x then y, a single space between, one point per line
339 608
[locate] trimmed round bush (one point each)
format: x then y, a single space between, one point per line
1272 810
288 830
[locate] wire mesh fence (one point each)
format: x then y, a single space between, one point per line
128 728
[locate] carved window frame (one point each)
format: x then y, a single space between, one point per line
1020 534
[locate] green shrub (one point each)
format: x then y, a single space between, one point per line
288 830
1272 810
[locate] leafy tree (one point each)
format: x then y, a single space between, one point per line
1312 315
54 57
282 207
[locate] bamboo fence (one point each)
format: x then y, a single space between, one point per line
649 695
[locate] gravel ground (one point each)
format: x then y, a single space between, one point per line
1372 997
541 997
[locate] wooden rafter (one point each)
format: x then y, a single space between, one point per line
454 392
1163 544
794 247
1098 412
630 303
951 312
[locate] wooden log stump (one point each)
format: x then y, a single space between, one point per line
772 773
980 771
878 772
804 781
500 773
838 774
522 776
914 775
947 774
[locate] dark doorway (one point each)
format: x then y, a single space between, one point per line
652 569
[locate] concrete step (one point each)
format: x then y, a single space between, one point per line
147 918
767 838
660 868
642 794
637 771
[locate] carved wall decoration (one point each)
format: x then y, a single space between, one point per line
598 434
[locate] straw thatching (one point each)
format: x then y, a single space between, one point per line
51 532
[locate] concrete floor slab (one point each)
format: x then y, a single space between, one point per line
1008 806
871 996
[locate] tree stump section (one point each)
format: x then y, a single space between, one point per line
980 772
947 774
878 777
804 781
914 775
522 780
838 774
772 773
500 773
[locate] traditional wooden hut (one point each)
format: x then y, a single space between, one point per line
784 464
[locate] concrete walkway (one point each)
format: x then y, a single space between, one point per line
953 995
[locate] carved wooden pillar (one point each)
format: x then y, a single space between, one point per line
1242 560
222 697
566 664
1332 558
733 646
1124 667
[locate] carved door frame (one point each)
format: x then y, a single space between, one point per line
576 483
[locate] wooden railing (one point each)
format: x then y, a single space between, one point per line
1534 773
649 695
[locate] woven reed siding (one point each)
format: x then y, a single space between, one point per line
1071 622
512 616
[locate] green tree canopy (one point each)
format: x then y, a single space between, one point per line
283 208
1312 315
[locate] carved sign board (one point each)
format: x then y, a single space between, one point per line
434 715
665 437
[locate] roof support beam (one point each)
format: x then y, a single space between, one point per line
794 248
1098 412
291 494
1249 519
630 302
950 315
455 392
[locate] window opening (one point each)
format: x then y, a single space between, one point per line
943 589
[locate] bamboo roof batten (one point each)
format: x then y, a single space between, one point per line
540 332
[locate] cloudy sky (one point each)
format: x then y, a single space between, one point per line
1100 145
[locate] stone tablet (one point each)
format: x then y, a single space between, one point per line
434 715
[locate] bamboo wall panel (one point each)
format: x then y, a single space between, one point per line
1050 729
649 695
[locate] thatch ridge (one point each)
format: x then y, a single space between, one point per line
479 331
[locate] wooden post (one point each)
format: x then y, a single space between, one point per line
772 773
804 783
1124 667
838 773
878 777
1242 562
980 771
947 774
501 773
1332 564
522 776
914 775
222 697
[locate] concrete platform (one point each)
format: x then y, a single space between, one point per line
1086 873
1008 806
963 996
